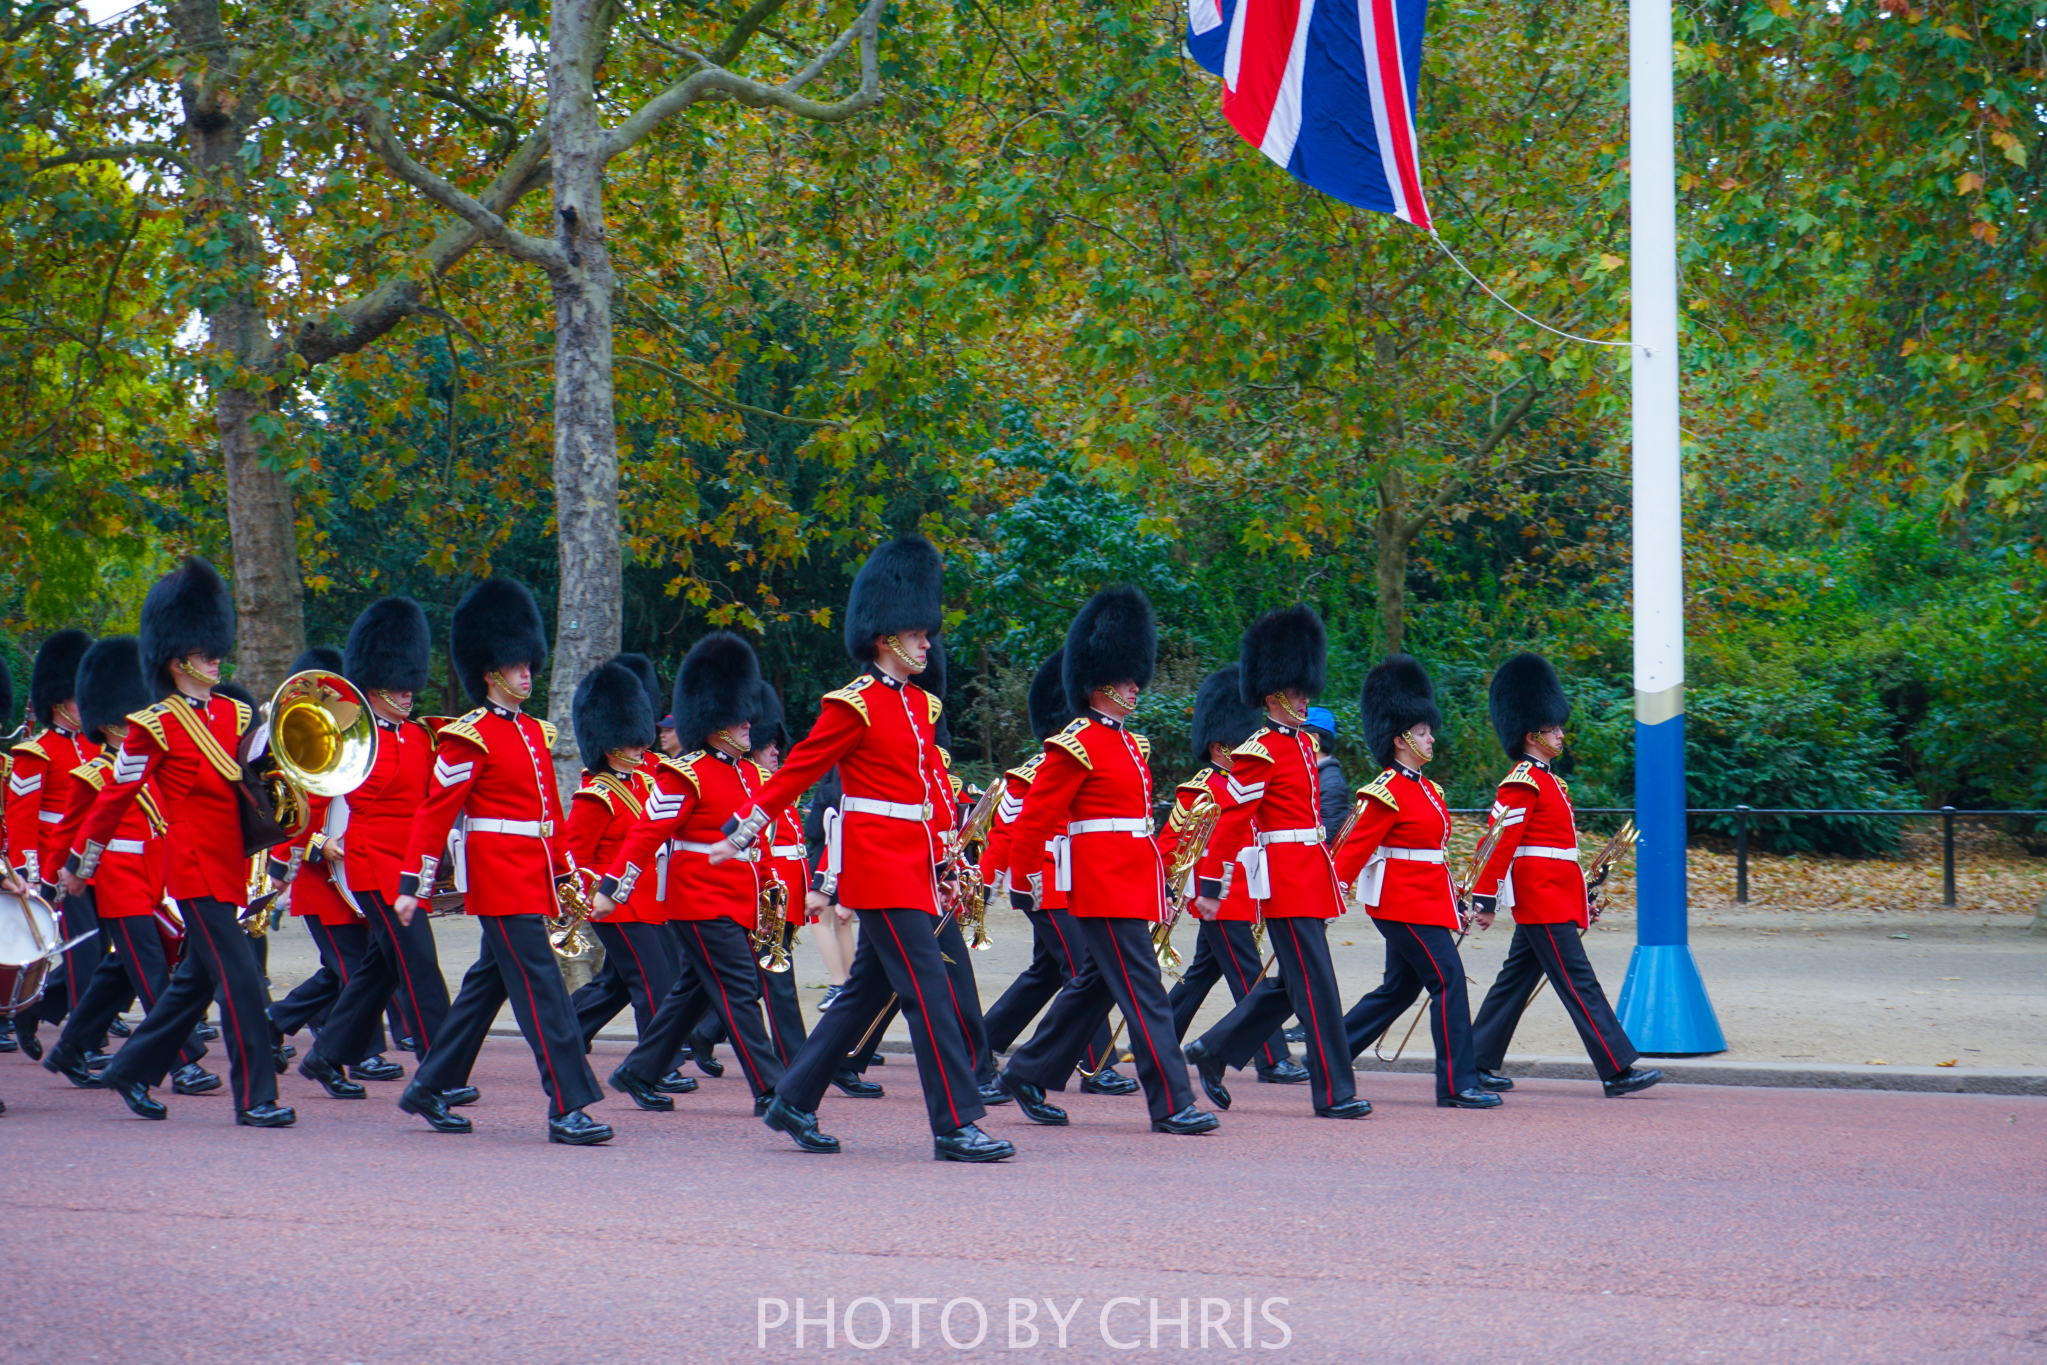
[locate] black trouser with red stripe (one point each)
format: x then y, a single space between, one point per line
218 957
1224 950
641 960
134 969
343 950
785 1012
1305 988
401 959
723 978
1420 957
1056 953
1121 970
1551 950
897 960
516 965
962 991
73 975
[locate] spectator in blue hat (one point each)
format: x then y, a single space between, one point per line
1335 790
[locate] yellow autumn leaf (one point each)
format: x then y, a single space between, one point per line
2014 150
1968 182
1609 262
1909 347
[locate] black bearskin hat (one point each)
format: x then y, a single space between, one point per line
54 680
1284 650
1049 712
325 658
643 669
188 611
900 587
1221 716
1526 696
389 647
110 685
6 692
1112 640
235 691
715 687
497 624
610 711
1397 694
768 723
933 678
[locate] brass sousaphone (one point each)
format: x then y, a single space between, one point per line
322 742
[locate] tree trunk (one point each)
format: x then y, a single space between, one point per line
588 624
1389 531
269 595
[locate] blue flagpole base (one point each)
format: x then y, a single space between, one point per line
1664 1006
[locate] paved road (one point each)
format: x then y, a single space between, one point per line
1692 1223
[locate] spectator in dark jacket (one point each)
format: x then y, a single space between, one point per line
1335 797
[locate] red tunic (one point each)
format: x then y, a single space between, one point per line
995 858
1535 807
1093 789
492 767
39 793
1402 811
379 812
789 863
880 734
313 893
601 814
696 795
128 883
1271 807
1208 873
204 838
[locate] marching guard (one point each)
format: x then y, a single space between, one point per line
1090 804
788 864
494 767
881 731
1270 829
1395 853
186 744
1534 872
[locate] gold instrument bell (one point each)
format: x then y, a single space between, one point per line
323 742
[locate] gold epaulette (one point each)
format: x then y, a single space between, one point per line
1143 747
759 771
850 694
464 729
937 706
244 713
1522 776
1436 789
1198 783
93 774
1028 769
150 718
1251 748
946 755
1378 789
592 787
1069 740
547 732
33 747
686 767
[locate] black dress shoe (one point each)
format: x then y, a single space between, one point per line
30 1044
675 1083
708 1063
1108 1081
96 1060
69 1062
640 1092
785 1117
268 1114
136 1096
409 1045
1187 1122
1493 1080
1210 1070
193 1079
683 1054
1030 1097
207 1033
761 1104
1470 1098
120 1028
460 1094
578 1129
377 1068
853 1087
1288 1072
1631 1080
970 1144
7 1043
432 1107
1297 1034
993 1093
277 1057
318 1068
876 1059
287 1051
1355 1108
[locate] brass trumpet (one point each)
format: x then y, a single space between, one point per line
572 911
768 938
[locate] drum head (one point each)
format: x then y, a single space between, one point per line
28 929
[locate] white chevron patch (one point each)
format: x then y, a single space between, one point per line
22 786
452 774
130 767
1242 794
1008 809
664 806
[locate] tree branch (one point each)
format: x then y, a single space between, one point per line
376 125
126 151
749 24
471 107
715 82
1447 494
722 400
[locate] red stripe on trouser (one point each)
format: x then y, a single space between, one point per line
930 1033
138 976
1583 1013
1136 1016
1071 972
646 986
753 1074
239 1073
1243 986
1442 1010
532 1013
959 1012
418 1015
1307 989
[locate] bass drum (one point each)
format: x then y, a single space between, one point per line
29 944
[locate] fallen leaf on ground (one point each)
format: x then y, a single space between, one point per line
1952 1061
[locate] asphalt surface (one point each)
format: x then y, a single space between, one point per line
1692 1223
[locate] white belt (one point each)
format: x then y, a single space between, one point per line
525 829
50 817
787 851
750 854
894 810
1372 881
1311 835
1538 851
126 846
1132 824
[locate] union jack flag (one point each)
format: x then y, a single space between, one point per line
1325 88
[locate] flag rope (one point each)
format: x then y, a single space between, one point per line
1444 247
